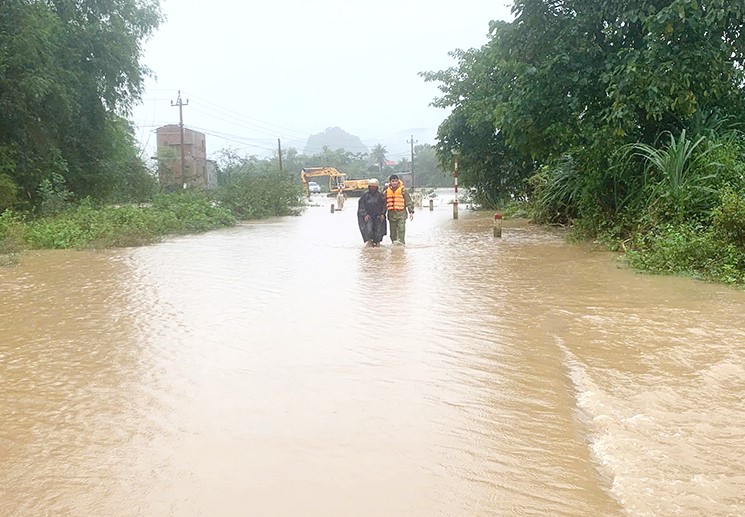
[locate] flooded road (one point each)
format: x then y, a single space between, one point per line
281 368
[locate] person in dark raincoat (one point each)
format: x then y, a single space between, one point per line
371 214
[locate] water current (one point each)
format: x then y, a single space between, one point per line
282 368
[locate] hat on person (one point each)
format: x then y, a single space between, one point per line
393 177
373 182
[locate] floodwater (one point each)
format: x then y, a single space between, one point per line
280 368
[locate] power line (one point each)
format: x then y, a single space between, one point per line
231 138
238 123
233 113
239 120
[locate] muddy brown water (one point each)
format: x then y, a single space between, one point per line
281 368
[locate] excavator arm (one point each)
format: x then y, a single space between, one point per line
335 177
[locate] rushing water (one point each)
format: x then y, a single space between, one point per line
281 368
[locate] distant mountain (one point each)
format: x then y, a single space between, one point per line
397 144
334 138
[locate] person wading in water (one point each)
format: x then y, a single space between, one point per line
371 214
398 202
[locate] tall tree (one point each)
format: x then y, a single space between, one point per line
428 171
584 77
71 73
378 156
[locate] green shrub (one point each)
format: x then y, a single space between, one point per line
682 170
8 192
260 196
12 233
516 210
191 211
85 225
689 249
728 219
669 249
556 192
54 195
76 227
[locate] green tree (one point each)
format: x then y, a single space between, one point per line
428 170
128 177
232 166
580 79
378 156
69 72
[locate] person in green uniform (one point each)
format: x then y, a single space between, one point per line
400 206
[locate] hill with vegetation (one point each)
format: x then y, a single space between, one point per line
335 138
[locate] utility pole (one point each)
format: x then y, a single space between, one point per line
412 142
279 151
180 105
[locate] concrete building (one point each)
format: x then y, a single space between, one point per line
196 173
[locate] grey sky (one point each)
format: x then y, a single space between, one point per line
257 71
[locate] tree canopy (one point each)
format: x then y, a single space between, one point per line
581 78
70 72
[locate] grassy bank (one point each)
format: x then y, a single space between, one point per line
90 225
710 248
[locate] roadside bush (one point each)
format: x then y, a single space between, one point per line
683 176
12 232
516 210
60 224
76 227
556 188
260 196
669 249
54 195
728 219
8 192
191 211
689 249
86 225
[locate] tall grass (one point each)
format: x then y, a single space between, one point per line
556 192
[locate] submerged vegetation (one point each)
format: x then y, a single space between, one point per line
620 120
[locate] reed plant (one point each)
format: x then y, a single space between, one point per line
681 176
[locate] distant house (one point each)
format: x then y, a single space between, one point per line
197 172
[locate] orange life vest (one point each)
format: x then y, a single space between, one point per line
394 199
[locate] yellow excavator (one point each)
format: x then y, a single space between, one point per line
336 180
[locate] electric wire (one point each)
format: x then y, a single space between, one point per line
241 121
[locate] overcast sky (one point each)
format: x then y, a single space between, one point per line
257 71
